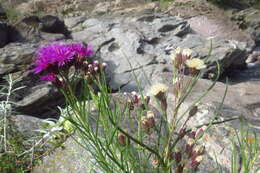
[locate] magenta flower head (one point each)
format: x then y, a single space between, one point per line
49 77
53 61
51 57
81 51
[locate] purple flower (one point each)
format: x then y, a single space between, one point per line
48 77
81 51
56 59
53 55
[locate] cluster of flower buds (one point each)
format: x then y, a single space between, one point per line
135 100
192 154
182 59
92 69
148 121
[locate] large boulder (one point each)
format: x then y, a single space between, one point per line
52 24
16 57
249 20
144 43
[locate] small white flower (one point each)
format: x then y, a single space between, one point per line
195 63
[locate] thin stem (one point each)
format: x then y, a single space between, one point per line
137 141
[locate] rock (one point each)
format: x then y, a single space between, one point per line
16 56
3 34
216 26
3 15
72 158
74 21
249 20
39 99
103 8
52 24
36 97
134 43
27 125
25 29
52 36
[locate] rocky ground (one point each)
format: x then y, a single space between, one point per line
141 34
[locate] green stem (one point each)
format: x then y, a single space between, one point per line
137 141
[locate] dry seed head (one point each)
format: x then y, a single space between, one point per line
199 159
199 149
158 88
190 141
178 50
150 114
187 52
195 63
155 163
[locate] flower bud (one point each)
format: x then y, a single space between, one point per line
122 140
130 104
192 134
177 156
90 68
159 92
189 146
199 133
182 132
144 122
150 118
199 149
155 163
195 162
193 111
103 65
95 69
96 62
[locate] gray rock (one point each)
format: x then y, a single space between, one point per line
74 21
52 24
131 43
39 100
27 125
249 20
103 8
16 57
3 34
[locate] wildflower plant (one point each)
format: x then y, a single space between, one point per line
245 150
126 133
